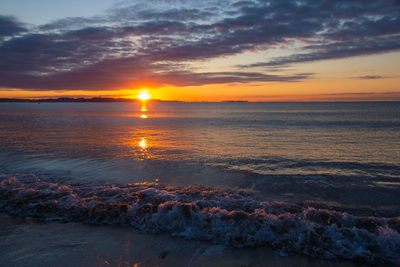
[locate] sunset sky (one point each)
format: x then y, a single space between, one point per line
201 50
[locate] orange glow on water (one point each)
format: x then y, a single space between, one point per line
143 116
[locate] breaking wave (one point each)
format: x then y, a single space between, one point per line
233 218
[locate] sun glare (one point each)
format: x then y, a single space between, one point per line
144 95
143 143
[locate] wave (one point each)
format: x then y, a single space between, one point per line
194 212
274 163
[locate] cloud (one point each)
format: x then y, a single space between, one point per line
115 74
159 41
370 77
9 26
336 50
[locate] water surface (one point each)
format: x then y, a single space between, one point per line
314 159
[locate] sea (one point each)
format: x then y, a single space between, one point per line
200 183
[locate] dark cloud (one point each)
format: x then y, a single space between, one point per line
182 14
129 72
336 50
9 26
370 77
157 40
349 28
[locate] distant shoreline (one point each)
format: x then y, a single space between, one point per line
101 100
80 100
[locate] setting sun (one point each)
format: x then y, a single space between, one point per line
144 95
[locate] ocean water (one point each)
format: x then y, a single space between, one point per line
320 180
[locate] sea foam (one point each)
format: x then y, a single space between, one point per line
194 212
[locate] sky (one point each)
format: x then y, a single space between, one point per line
206 50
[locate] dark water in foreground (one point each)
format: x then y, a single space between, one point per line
314 179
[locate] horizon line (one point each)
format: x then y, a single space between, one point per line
128 100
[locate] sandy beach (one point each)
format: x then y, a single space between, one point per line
28 242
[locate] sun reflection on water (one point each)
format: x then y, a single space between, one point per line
143 143
143 116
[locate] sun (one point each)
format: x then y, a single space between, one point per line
144 95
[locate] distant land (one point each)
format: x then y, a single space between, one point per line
93 99
133 100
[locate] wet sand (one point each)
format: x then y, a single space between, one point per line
28 242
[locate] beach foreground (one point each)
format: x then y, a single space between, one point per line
26 242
